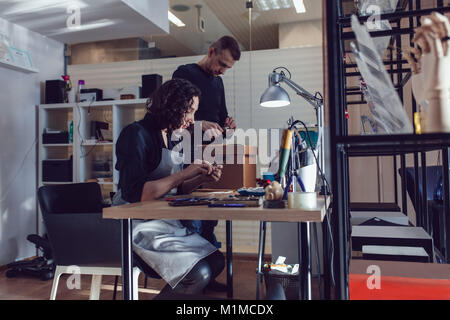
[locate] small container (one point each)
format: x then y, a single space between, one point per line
302 200
71 132
269 176
81 84
289 282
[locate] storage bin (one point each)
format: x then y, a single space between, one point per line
55 138
57 170
289 282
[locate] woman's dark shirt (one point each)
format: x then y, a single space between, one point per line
138 152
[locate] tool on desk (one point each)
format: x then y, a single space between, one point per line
246 202
258 192
214 166
188 203
183 202
226 205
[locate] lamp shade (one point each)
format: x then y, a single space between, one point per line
275 96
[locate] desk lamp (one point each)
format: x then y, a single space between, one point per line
275 96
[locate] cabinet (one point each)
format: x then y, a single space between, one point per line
93 159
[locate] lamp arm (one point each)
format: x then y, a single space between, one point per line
312 100
317 103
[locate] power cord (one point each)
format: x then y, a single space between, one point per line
3 198
290 76
79 131
324 181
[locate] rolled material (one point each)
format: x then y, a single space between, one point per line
302 200
285 151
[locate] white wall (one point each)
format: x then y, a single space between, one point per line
19 95
244 83
300 34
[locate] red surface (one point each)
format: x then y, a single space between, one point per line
399 288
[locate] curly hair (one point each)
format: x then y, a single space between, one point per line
171 101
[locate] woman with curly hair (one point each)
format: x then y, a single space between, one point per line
149 169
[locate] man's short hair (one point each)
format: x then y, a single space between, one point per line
227 42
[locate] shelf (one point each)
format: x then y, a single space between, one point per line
113 102
57 145
58 106
96 144
133 102
15 67
55 183
367 145
393 16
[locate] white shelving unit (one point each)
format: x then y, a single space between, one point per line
84 151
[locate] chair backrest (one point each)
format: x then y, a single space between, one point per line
434 173
78 234
71 198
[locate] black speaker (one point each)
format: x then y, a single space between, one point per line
55 91
150 82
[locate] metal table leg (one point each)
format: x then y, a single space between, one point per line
326 260
127 267
229 254
304 237
262 240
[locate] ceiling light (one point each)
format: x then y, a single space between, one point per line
26 6
285 4
84 27
299 6
266 5
180 7
274 4
175 20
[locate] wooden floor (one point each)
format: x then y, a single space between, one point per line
28 288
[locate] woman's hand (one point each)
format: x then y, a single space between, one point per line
215 174
196 169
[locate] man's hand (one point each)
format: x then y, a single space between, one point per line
211 129
230 126
230 123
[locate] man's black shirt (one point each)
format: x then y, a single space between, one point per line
212 105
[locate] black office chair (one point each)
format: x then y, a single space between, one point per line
41 267
434 192
434 178
82 241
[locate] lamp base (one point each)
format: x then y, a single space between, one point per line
324 190
274 204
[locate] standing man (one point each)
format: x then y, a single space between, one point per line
205 74
212 112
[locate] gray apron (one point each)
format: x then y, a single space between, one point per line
166 245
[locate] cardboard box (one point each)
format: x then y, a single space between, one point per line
239 165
